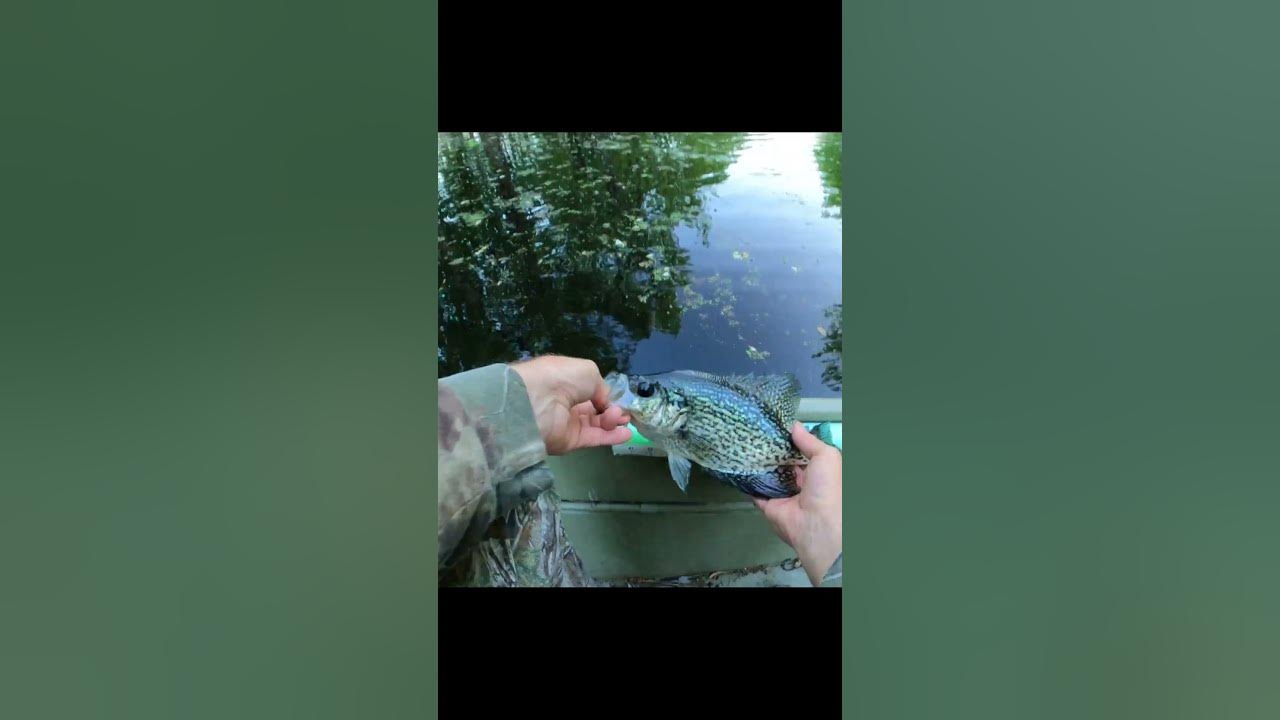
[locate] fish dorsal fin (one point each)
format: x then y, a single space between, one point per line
778 394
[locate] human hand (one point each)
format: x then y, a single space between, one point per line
810 522
571 404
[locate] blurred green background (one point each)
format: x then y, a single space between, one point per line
1062 409
215 374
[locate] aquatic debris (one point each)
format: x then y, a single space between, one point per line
472 218
693 300
755 354
822 331
737 255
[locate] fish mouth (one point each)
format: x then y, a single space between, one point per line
620 394
618 386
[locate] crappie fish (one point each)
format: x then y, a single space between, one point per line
737 427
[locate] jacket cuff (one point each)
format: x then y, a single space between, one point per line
492 456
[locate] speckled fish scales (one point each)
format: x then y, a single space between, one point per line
737 427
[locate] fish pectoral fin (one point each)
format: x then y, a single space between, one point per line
680 467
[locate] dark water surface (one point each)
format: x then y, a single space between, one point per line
643 251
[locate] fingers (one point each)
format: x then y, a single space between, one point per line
805 440
593 436
607 420
612 418
608 428
776 511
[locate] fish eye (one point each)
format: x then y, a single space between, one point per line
644 389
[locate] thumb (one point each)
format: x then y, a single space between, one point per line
810 445
600 396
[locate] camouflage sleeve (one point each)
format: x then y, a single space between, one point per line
835 574
491 454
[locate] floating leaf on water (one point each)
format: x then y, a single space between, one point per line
739 255
755 354
822 331
795 269
472 218
457 261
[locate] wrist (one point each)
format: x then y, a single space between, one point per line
820 551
